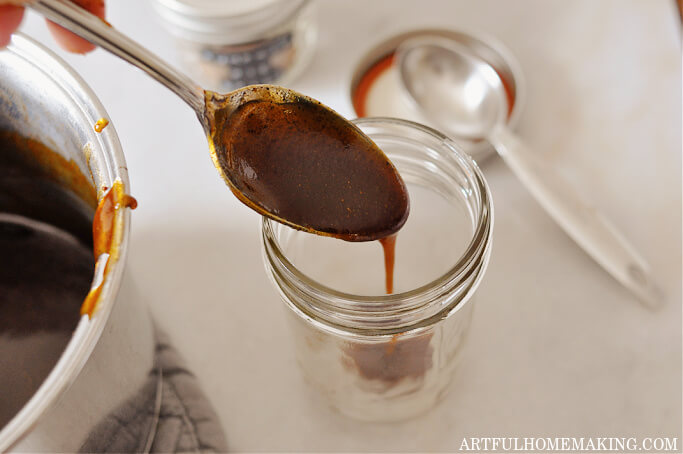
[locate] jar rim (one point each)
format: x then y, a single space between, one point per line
471 260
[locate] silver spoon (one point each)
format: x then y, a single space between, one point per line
465 96
271 193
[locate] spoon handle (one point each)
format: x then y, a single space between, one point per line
98 32
579 219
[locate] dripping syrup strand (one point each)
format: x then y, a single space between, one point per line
389 246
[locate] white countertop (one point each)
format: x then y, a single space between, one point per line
557 347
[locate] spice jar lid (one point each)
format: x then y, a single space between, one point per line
225 22
210 8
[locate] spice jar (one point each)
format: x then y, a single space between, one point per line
225 45
381 357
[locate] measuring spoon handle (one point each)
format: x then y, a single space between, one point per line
579 219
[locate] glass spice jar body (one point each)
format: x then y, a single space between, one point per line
225 45
389 357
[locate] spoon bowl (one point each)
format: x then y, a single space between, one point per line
296 161
461 93
377 70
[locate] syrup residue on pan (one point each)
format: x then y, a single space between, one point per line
105 227
101 124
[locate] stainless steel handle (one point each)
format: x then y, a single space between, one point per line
98 32
579 219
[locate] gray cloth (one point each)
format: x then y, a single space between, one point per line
168 414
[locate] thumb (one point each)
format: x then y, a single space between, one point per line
10 18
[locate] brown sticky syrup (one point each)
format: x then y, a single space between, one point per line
311 168
40 184
104 225
389 248
308 167
46 263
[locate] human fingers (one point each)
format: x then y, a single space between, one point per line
10 18
68 40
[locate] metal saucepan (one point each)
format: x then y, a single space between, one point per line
110 355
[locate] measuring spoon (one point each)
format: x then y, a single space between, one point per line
465 96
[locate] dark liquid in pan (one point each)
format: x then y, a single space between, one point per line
46 266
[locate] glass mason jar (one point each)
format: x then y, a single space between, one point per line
225 45
379 357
